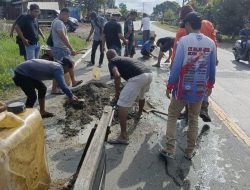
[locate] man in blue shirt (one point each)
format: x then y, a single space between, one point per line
30 74
148 47
191 78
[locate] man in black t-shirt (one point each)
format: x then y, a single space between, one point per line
18 39
28 30
112 34
138 77
165 44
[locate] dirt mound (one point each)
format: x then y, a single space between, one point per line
95 96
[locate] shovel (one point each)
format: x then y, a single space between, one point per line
152 109
81 51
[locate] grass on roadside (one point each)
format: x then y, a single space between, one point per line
9 58
220 38
166 26
226 38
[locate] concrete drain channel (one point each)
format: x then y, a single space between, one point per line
96 102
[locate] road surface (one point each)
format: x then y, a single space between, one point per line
221 160
222 157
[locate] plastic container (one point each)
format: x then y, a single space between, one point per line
96 73
23 164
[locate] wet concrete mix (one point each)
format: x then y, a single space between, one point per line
93 96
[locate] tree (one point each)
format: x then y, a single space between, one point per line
227 15
169 15
92 5
167 5
123 10
230 16
110 3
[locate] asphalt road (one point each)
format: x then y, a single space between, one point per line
232 85
222 157
221 160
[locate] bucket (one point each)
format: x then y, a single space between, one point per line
23 162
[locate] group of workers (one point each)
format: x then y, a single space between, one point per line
192 75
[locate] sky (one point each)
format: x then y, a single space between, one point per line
138 4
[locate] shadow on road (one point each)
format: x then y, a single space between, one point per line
241 66
144 170
68 159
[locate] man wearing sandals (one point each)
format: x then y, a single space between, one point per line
30 74
138 78
192 77
61 45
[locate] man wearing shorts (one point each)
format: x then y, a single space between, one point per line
165 44
138 78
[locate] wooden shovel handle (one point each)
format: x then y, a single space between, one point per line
160 112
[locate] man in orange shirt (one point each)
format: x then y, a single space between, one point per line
207 29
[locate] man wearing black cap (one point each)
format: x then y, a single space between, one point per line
30 74
191 78
97 25
208 30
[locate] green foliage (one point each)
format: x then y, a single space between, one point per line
231 14
123 10
167 5
9 58
227 15
166 26
110 3
170 15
